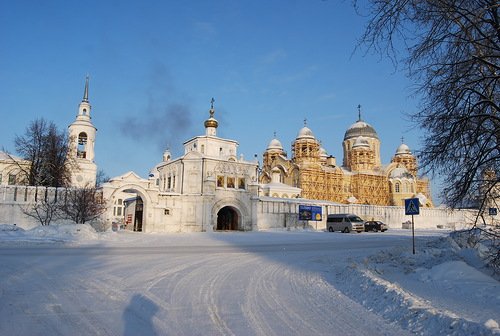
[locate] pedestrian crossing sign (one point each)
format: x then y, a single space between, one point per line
412 206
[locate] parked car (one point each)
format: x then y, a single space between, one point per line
375 226
344 222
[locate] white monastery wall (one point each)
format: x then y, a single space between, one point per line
15 199
169 212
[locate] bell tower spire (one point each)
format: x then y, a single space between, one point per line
86 90
82 140
84 107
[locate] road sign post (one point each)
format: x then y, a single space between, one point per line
412 208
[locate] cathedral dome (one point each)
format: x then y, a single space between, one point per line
360 128
275 144
361 142
400 172
305 133
403 149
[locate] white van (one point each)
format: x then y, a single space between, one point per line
345 223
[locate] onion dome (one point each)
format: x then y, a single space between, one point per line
360 128
361 142
403 149
211 122
305 132
275 144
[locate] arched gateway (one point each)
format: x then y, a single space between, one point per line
228 219
130 202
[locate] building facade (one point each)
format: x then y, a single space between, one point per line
208 188
361 179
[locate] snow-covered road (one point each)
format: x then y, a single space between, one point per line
194 284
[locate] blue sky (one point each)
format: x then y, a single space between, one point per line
155 65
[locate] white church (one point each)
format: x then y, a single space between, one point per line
209 188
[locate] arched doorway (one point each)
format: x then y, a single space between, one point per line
134 209
227 219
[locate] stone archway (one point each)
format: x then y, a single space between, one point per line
228 219
136 202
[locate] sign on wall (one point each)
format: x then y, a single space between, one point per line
310 212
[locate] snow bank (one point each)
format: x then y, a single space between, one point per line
64 233
435 289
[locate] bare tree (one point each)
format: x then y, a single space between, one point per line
451 49
44 209
82 205
46 148
101 177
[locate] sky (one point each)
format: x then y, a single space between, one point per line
154 67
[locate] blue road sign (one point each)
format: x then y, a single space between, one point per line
412 206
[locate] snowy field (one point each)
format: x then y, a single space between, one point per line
70 280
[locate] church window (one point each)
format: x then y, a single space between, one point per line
157 181
169 183
84 111
166 212
396 187
220 181
241 183
203 149
12 179
173 182
230 182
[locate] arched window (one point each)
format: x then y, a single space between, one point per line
396 187
82 145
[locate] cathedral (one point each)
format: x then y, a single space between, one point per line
212 188
360 179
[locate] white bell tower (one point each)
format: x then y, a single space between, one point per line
82 140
